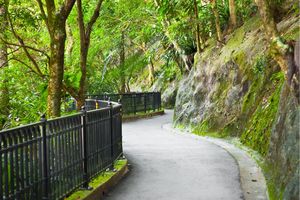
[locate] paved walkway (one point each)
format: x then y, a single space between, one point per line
168 166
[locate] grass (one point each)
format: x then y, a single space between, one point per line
97 181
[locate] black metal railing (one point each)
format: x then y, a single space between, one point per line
133 102
52 158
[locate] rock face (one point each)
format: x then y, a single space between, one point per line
284 149
238 90
168 96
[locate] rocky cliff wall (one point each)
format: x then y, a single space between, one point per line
238 90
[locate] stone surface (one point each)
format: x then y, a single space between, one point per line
168 96
285 147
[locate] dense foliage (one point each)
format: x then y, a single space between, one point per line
101 46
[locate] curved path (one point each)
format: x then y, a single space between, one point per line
168 166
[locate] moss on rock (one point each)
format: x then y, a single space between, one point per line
258 130
236 91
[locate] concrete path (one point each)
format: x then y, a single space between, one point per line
168 166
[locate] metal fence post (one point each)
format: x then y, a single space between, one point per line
120 128
153 102
145 102
84 149
134 104
111 135
159 100
45 158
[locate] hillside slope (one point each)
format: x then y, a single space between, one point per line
238 90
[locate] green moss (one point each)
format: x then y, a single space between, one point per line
258 131
232 45
258 74
292 34
236 40
275 190
231 128
210 46
240 59
96 182
180 126
251 96
260 65
206 128
221 93
252 24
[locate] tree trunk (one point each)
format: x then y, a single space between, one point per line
55 21
122 63
56 69
85 38
199 39
4 85
282 52
85 31
70 42
217 20
84 47
267 18
233 20
151 72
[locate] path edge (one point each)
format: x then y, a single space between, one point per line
103 189
130 118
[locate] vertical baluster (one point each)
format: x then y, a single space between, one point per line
84 149
35 156
145 103
21 158
68 176
45 159
1 170
111 136
40 143
153 102
134 104
12 165
26 149
6 175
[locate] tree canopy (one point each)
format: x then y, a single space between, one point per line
52 50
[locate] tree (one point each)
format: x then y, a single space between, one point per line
198 34
282 51
166 23
217 20
233 20
4 85
55 20
85 31
122 64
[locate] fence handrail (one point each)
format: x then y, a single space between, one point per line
133 102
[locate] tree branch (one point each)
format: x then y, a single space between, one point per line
80 21
22 44
26 46
26 65
50 5
94 18
66 8
43 13
71 90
